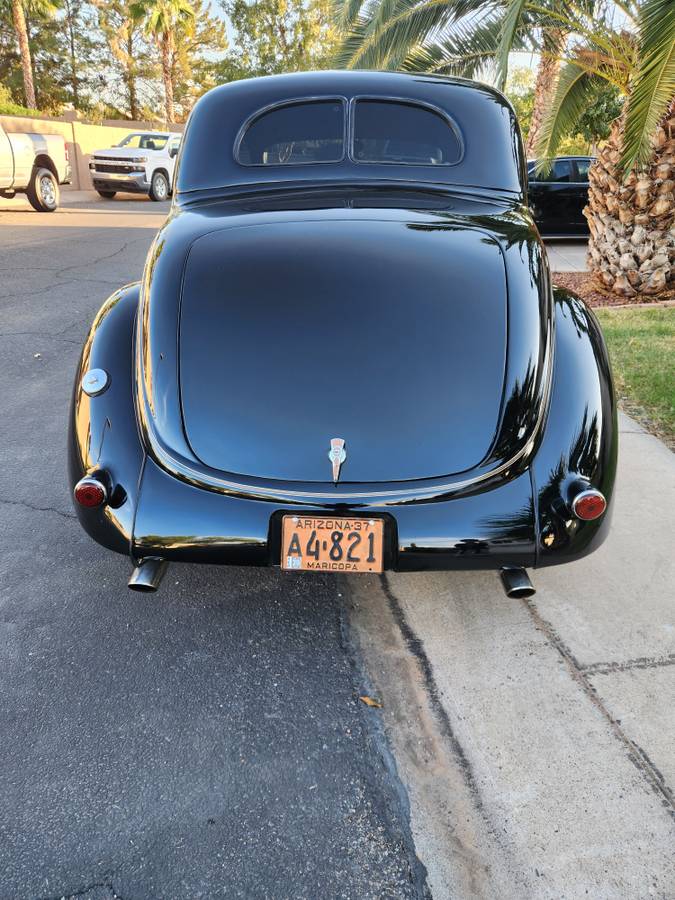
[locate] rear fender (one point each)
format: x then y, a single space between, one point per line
103 433
579 443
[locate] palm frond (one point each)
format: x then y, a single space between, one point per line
512 20
576 86
345 13
653 88
410 21
408 24
468 51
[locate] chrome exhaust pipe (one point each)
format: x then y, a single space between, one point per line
148 574
517 583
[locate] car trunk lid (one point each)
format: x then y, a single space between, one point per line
386 334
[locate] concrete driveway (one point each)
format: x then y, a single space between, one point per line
567 256
209 742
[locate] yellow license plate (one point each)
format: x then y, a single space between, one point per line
324 544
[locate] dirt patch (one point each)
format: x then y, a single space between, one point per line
594 293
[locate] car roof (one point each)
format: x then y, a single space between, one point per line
492 159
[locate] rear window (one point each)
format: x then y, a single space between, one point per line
387 131
295 134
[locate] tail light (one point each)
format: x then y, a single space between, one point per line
588 505
90 492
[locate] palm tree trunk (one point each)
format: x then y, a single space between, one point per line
74 77
547 77
130 75
632 224
26 61
167 74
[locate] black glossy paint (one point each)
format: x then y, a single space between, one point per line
557 200
433 300
415 320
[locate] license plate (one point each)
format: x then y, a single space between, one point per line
332 545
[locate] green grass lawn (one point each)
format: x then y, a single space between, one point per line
642 348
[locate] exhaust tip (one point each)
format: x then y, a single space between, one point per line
516 583
147 576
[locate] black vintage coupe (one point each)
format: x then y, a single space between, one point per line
345 353
558 197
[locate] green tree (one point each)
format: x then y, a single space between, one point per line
274 36
161 19
196 59
82 48
595 123
47 53
121 25
520 91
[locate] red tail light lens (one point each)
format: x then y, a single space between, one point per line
589 505
90 492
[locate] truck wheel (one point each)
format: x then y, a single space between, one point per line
159 187
107 195
43 191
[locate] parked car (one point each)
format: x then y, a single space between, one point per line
346 354
34 165
142 163
558 198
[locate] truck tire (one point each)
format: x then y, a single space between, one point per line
159 187
43 191
107 195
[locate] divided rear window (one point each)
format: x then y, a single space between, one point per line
383 131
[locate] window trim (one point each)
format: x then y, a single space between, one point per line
349 122
294 101
407 101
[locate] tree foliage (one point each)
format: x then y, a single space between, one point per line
131 63
274 36
628 44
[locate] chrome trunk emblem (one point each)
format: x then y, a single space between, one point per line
337 455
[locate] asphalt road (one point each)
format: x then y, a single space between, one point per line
204 742
208 741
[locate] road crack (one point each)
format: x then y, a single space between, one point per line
87 889
26 505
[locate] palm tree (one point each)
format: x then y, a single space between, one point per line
554 41
631 207
21 31
42 9
628 43
162 18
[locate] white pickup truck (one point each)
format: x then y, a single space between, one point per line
35 165
142 163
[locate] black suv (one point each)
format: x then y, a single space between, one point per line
557 199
